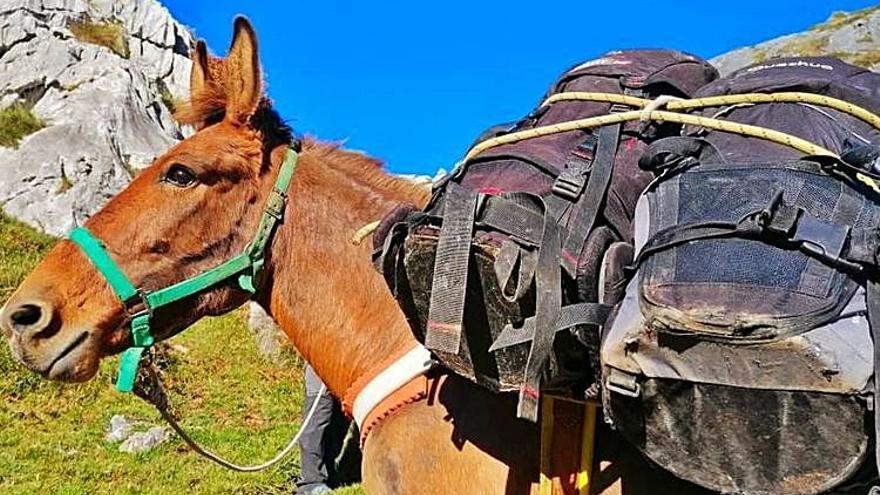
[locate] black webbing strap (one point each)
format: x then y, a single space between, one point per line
671 150
873 304
681 234
512 218
449 286
512 259
573 177
505 265
864 244
569 316
585 211
385 259
548 282
576 171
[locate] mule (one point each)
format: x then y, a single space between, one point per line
199 203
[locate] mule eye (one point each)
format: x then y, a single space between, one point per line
180 176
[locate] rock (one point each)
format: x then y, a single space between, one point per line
267 335
145 440
120 428
105 116
853 37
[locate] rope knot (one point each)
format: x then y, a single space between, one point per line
656 104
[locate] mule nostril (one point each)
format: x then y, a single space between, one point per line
25 316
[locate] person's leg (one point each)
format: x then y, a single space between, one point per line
314 463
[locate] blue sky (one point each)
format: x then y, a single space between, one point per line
415 82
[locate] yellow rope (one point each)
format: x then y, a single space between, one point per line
795 142
716 101
793 97
782 138
364 232
600 97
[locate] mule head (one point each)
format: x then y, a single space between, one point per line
194 207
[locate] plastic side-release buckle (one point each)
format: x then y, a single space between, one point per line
569 186
623 383
571 181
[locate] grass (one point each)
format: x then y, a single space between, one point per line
760 56
840 19
16 122
20 249
168 99
65 183
128 167
109 34
805 46
866 59
74 86
52 435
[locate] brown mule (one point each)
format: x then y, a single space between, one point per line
197 206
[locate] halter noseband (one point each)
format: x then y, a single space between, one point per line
139 304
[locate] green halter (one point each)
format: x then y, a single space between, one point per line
140 304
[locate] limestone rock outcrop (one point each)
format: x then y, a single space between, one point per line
100 75
853 37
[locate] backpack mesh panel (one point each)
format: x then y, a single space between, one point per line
740 275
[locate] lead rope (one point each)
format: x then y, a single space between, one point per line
149 387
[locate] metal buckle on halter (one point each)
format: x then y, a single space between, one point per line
138 315
275 205
137 306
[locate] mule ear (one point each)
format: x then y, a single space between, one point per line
244 80
199 77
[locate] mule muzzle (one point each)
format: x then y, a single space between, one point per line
33 329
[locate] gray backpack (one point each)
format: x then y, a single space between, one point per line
741 356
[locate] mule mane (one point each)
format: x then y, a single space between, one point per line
208 107
367 171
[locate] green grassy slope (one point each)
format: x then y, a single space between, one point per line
52 435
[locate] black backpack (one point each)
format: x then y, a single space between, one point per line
741 356
512 241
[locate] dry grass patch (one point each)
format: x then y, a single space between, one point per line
840 19
805 46
760 56
866 59
109 34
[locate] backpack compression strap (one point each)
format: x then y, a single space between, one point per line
139 304
588 203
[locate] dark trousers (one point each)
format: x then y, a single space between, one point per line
322 439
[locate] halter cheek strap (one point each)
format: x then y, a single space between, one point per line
133 301
139 304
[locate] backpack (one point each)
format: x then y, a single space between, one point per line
511 241
741 356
